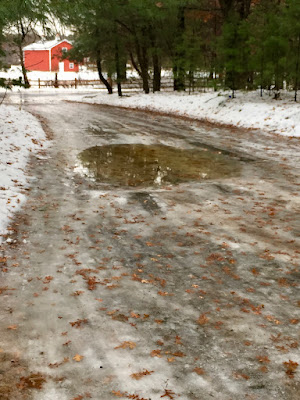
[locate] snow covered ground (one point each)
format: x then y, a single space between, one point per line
85 74
247 110
20 135
15 72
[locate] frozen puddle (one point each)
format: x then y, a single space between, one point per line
138 165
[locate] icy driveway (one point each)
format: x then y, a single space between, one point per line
176 292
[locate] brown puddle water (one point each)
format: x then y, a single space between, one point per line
154 165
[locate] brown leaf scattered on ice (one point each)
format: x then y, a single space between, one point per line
78 323
202 320
263 359
33 381
156 353
12 327
126 345
140 375
77 357
178 340
290 367
161 293
134 315
57 364
168 393
199 371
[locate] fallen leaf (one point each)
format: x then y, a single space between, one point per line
178 340
202 320
77 357
241 375
156 353
133 315
165 293
168 393
77 293
263 359
126 345
78 323
57 364
33 381
48 279
199 371
140 375
263 368
118 393
291 367
12 327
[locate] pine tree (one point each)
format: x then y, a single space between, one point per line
258 26
234 52
291 29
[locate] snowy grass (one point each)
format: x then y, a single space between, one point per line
247 110
20 135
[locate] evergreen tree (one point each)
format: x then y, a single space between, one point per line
245 42
258 35
94 33
276 45
234 52
291 29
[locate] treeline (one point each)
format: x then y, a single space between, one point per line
235 44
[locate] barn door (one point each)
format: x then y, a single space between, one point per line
61 67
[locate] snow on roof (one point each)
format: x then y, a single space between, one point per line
45 45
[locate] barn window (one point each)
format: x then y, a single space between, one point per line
64 50
71 65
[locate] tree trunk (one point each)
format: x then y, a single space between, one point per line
20 41
262 74
156 63
226 7
297 69
134 64
191 81
178 68
277 88
102 78
144 68
156 73
118 69
24 72
142 56
241 6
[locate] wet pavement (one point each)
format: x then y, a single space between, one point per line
155 258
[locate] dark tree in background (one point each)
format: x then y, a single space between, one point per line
236 44
24 18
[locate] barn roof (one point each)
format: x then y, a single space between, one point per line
45 45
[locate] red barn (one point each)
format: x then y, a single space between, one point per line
47 56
